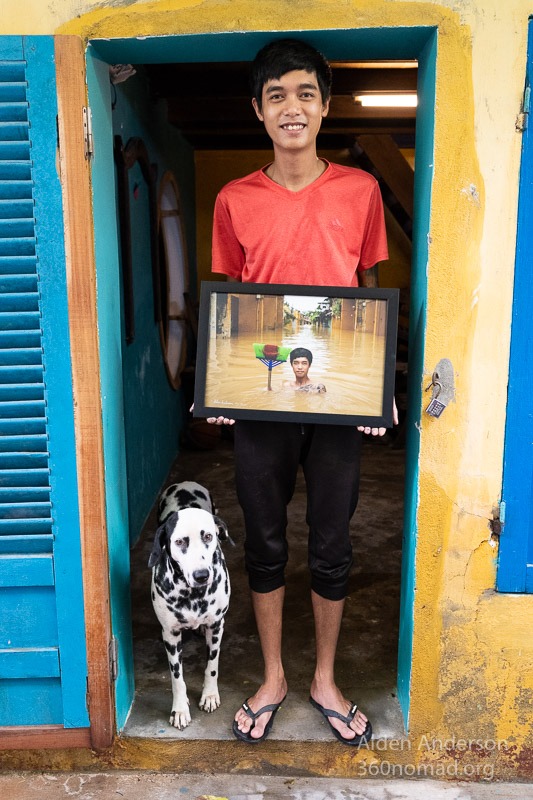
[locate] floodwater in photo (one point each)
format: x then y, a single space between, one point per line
350 363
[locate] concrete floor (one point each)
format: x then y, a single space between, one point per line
367 652
158 786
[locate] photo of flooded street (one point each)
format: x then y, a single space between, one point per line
251 337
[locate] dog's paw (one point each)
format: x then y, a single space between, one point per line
209 702
180 718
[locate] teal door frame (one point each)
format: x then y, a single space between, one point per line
340 45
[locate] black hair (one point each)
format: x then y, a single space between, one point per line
301 352
284 55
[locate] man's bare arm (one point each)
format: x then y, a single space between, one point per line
369 277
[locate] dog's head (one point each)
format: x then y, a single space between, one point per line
190 538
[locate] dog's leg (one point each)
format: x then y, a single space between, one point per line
210 699
180 715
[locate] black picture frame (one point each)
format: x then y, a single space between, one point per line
351 333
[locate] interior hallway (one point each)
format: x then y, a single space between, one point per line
367 653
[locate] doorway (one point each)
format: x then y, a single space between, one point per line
339 46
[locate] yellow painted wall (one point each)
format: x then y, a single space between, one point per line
473 650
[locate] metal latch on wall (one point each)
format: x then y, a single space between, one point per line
88 132
442 386
523 116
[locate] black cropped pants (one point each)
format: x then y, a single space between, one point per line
267 456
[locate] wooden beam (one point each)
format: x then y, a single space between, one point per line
81 287
392 166
46 737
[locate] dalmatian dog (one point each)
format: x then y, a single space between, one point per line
190 586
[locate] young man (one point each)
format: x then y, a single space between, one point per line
299 220
301 359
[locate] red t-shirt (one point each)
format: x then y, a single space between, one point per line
319 236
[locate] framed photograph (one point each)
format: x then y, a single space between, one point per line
321 354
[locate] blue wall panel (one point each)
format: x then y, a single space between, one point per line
515 566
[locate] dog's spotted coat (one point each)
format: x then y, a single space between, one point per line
190 586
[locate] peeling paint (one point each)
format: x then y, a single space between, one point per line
472 192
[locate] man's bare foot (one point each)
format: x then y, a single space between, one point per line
331 697
266 695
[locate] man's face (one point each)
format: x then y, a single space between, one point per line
300 367
292 109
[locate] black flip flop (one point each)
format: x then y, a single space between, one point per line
245 737
358 739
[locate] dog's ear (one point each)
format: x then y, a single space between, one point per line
222 531
213 508
161 538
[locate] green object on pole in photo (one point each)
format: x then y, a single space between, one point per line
272 355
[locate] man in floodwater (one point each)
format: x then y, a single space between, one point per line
301 359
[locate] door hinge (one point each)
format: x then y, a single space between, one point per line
113 658
88 132
523 116
497 522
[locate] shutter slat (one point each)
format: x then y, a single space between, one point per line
13 92
19 301
12 111
26 320
24 494
15 426
14 131
32 511
22 409
31 443
16 227
21 374
13 71
15 151
17 208
9 527
14 340
24 478
11 284
26 544
17 246
22 461
18 265
20 356
20 392
15 188
15 169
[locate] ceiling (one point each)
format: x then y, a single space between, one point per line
216 113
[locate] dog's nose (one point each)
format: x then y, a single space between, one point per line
201 575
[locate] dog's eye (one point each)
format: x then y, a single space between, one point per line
207 537
179 542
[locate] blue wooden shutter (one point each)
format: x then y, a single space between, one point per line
42 637
515 567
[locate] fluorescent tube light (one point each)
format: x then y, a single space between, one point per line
377 100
